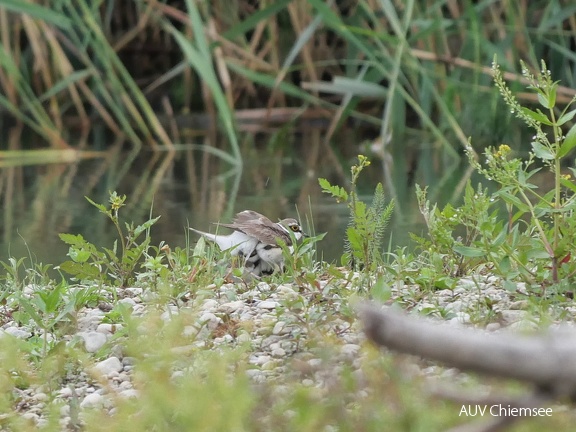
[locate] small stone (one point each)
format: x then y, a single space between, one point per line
350 349
260 360
280 328
467 284
18 332
106 328
263 287
524 326
493 326
30 416
315 363
210 320
129 394
269 365
109 366
40 397
129 361
243 338
512 316
65 392
209 304
284 291
93 400
189 331
278 352
519 305
461 318
124 385
172 311
268 304
455 306
133 292
231 306
177 374
128 301
93 341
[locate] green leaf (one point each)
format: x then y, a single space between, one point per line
381 292
536 116
38 12
200 248
336 191
545 100
566 117
141 228
355 240
569 142
81 270
510 286
445 282
254 19
568 184
468 251
514 200
73 240
100 207
541 151
79 255
552 95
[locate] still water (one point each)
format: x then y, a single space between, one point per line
195 188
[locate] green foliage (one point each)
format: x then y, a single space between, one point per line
367 223
518 232
87 262
301 263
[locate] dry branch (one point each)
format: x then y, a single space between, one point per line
546 360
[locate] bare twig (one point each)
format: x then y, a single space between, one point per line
543 360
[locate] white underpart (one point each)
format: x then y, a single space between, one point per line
236 243
266 259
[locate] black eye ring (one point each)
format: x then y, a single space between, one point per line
295 228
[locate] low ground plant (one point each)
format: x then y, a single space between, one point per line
363 244
520 231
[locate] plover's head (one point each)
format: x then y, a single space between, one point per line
292 225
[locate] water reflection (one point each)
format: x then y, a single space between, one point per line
192 187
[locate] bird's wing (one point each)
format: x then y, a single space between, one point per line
258 226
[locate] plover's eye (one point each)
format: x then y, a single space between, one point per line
295 228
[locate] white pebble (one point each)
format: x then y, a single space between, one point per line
93 341
210 320
268 304
109 366
260 359
129 394
133 291
18 332
243 338
93 400
128 301
231 306
278 352
40 397
350 349
106 328
493 326
280 328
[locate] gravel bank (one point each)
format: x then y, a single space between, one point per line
285 331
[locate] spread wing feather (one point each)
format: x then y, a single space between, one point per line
258 226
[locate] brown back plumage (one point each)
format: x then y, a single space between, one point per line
260 227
